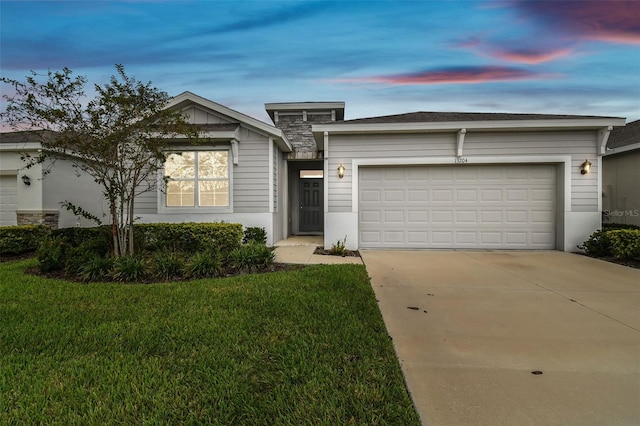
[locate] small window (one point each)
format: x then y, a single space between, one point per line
311 174
197 179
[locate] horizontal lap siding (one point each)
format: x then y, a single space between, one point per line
580 145
251 175
343 149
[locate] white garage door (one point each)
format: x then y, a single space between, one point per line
466 206
8 200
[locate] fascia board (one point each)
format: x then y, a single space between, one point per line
20 146
622 149
454 126
297 106
256 124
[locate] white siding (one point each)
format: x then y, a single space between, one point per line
579 145
8 200
199 116
251 175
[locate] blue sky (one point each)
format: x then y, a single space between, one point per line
380 57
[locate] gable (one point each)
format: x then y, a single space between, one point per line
205 112
197 115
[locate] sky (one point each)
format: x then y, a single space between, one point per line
379 57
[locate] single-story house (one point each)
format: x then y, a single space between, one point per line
422 180
621 176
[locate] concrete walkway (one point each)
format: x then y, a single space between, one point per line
470 328
299 249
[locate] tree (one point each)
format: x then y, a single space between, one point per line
119 137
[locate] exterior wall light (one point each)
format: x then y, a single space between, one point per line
26 180
340 171
585 167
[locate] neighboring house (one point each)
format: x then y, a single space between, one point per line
420 180
27 196
621 176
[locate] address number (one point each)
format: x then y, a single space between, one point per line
461 160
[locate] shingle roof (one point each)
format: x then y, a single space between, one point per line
22 136
623 136
430 117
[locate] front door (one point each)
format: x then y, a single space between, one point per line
311 211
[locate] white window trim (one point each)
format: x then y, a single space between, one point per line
162 193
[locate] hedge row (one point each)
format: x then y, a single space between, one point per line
183 237
22 239
619 243
188 237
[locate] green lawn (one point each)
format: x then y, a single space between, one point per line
303 347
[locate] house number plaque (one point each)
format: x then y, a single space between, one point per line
461 160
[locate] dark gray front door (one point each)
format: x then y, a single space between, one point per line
311 211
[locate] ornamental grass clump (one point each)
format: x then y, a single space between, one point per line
252 257
167 265
129 268
204 264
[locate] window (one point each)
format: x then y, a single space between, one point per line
197 179
311 174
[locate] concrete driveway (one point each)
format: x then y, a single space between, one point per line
469 329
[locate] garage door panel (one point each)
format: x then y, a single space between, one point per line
466 195
441 195
497 206
8 200
393 195
417 195
417 216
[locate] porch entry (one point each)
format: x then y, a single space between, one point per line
311 197
306 198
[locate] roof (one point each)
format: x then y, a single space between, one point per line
624 136
22 136
186 98
420 122
439 117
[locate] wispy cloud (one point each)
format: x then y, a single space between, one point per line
454 75
528 56
615 21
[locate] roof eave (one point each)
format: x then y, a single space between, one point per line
454 126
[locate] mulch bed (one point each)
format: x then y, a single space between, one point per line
347 253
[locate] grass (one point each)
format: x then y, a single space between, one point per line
303 347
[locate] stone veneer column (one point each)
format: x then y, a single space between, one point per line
38 217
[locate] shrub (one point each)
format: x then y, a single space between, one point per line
96 268
204 264
128 268
625 243
339 249
598 244
52 254
96 239
22 239
188 237
75 258
254 234
166 265
252 257
612 226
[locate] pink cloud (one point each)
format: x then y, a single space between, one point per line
459 75
529 56
615 21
